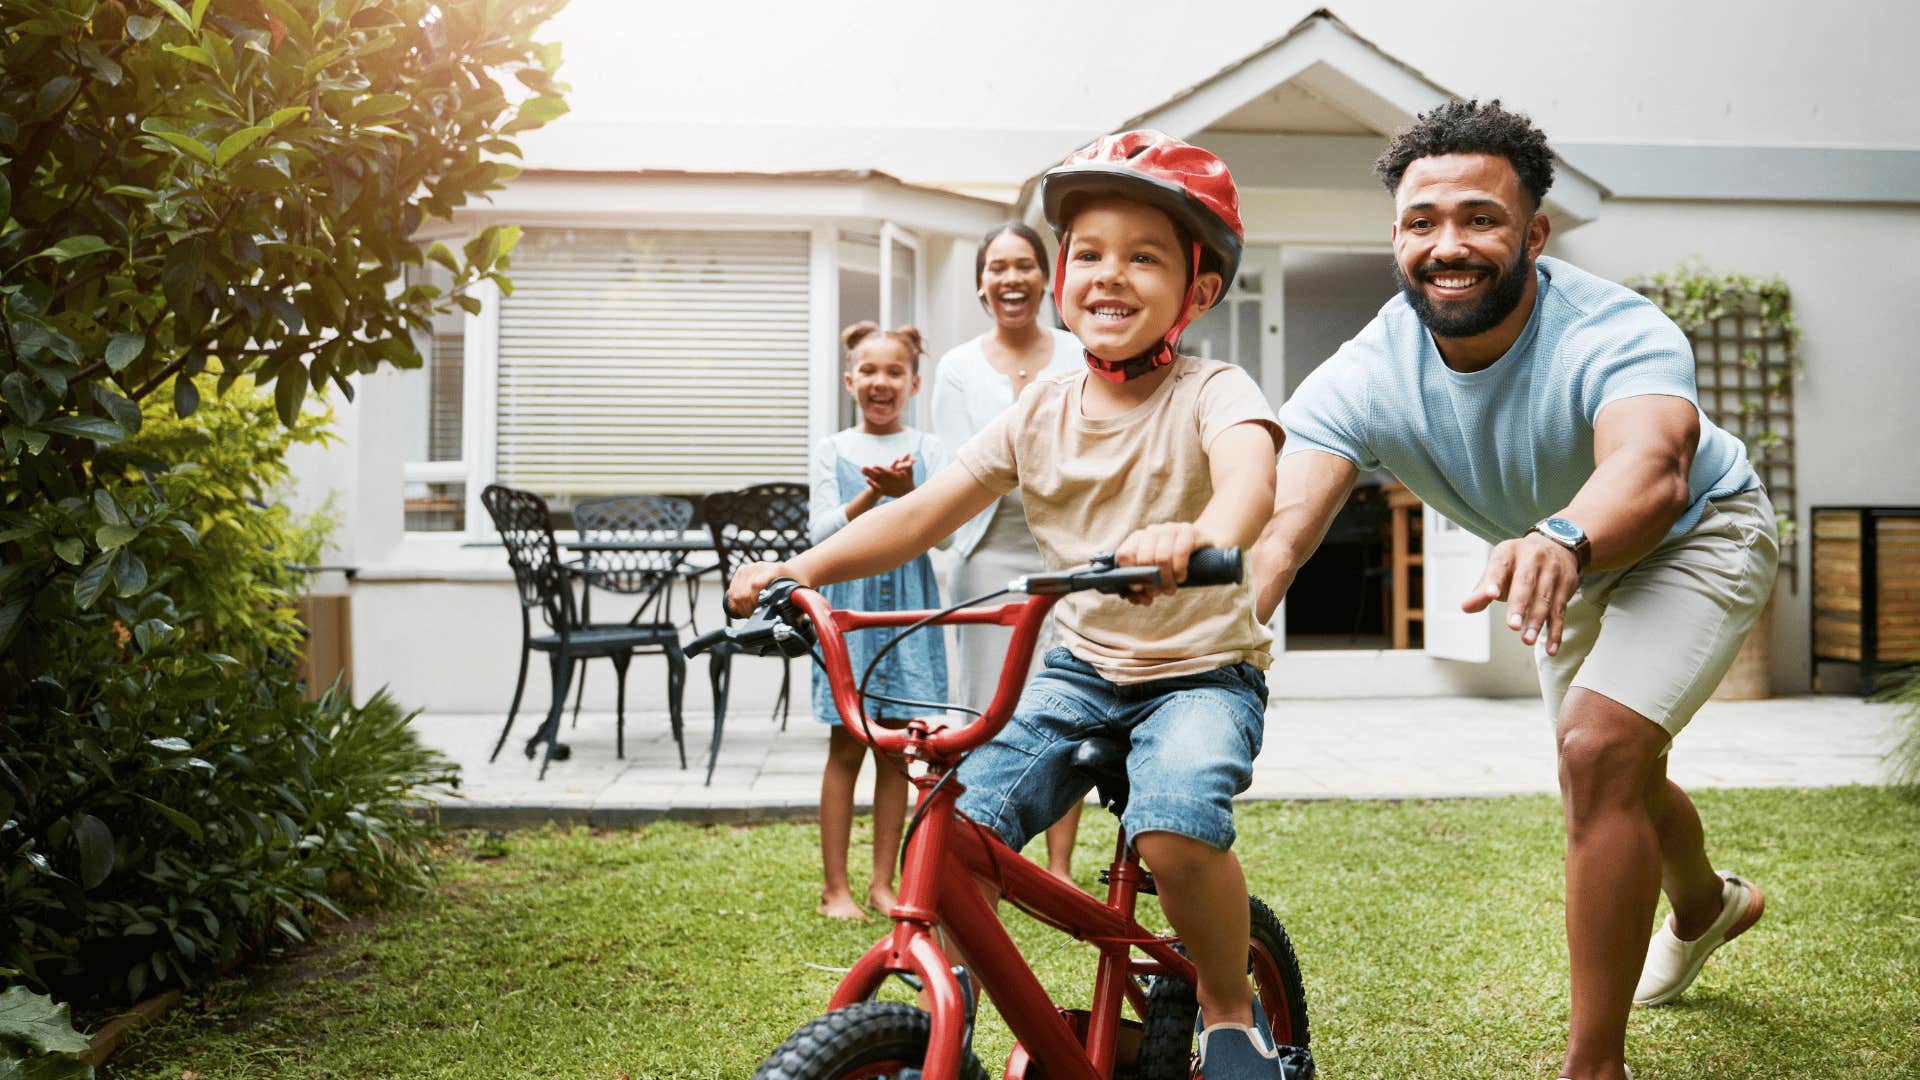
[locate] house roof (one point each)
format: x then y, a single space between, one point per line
1338 74
546 195
842 176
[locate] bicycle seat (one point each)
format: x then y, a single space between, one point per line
1104 761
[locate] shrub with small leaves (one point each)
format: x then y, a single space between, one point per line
168 797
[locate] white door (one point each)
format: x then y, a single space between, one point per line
1453 560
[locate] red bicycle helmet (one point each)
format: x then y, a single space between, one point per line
1188 184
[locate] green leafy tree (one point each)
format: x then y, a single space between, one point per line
229 187
194 194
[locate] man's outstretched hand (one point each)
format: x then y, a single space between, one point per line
1536 577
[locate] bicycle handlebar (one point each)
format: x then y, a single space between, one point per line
1205 566
790 618
776 626
1214 566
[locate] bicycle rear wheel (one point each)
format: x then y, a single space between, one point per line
1167 1049
869 1039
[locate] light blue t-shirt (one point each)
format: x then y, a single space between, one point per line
1498 449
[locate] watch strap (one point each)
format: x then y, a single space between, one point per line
1582 550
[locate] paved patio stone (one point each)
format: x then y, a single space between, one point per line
1385 748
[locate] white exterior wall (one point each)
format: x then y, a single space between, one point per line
765 85
761 86
449 641
1851 272
434 619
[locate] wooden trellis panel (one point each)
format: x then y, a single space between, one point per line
1744 365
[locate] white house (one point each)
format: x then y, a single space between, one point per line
733 187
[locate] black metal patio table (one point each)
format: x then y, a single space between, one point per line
678 545
683 543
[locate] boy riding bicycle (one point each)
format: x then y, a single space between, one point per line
1150 455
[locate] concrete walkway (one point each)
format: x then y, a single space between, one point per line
1380 748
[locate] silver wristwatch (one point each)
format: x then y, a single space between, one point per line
1567 535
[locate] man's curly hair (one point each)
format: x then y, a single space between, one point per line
1468 127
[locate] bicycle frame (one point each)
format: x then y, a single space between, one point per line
947 853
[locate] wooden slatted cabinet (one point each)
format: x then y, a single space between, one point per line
1866 588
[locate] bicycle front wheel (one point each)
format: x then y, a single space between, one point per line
872 1039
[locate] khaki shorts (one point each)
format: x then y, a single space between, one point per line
1658 635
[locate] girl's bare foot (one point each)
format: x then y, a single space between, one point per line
881 898
1063 876
841 906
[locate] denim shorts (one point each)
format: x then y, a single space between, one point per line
1192 740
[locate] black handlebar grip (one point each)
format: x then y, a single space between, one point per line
704 642
1213 566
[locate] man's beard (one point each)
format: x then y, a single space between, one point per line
1466 318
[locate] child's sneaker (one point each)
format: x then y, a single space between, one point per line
1672 964
1239 1052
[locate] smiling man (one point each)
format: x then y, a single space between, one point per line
1554 414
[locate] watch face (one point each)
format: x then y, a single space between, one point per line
1562 530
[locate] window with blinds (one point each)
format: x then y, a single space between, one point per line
653 361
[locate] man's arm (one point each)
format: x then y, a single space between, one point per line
1240 464
1310 487
1642 450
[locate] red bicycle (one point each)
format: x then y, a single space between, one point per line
944 854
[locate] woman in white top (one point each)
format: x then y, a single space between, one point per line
976 381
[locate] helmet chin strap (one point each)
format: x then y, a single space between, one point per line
1160 354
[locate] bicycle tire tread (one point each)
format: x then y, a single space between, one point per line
829 1045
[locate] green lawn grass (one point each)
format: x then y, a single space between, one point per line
1430 935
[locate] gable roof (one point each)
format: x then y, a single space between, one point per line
1343 75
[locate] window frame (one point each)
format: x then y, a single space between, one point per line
472 441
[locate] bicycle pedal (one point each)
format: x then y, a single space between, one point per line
1146 882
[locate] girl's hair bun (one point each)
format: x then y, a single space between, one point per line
858 332
911 336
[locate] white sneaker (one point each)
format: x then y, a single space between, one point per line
1629 1069
1672 964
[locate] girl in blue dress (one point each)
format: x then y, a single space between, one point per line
875 461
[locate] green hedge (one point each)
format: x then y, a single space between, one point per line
168 799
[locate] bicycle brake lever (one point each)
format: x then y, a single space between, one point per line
792 632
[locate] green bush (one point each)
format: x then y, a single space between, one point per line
35 1038
1903 764
198 200
169 799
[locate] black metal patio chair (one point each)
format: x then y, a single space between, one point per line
525 525
765 521
646 574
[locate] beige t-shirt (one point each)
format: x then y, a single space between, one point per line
1087 484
